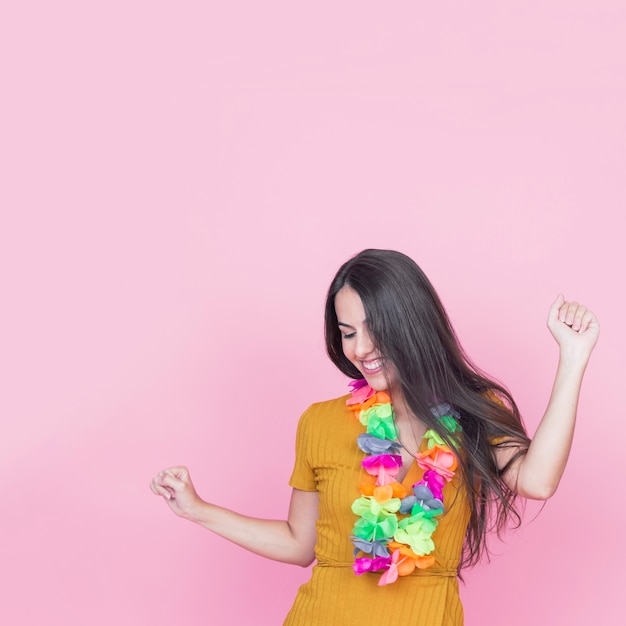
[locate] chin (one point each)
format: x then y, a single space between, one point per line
378 382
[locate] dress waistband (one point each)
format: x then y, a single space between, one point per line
446 573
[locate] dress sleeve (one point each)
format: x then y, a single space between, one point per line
303 475
502 440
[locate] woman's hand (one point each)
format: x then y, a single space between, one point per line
175 486
574 327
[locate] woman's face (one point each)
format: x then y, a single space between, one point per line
356 343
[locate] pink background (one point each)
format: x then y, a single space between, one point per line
180 181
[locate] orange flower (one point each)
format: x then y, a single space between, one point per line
367 489
438 458
416 560
383 493
380 397
398 490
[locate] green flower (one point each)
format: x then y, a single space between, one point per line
371 509
379 421
376 530
448 423
433 439
417 534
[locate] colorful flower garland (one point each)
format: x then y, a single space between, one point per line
396 544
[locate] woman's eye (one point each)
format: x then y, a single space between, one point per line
348 335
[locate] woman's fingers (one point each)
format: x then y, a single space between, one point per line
158 488
170 480
573 314
556 306
586 320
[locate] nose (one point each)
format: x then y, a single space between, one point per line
364 345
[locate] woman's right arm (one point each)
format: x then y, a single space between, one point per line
290 541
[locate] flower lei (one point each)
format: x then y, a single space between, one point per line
396 544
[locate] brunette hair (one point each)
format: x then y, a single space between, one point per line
410 328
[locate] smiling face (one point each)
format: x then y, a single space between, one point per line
356 342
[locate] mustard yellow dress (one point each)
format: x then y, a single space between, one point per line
328 461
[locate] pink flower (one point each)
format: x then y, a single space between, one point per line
391 575
360 395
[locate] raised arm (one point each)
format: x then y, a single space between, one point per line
537 474
290 541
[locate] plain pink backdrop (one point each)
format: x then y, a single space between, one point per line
181 180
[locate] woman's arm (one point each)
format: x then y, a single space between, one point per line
291 541
537 474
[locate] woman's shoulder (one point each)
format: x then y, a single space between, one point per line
329 416
325 414
328 408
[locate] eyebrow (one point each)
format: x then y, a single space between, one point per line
348 325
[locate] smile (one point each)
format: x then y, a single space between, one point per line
372 366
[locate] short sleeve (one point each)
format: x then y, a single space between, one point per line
303 475
501 441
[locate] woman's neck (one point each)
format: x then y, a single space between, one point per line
403 416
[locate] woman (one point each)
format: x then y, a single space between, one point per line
400 482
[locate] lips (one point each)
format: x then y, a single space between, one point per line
372 366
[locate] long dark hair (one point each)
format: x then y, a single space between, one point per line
411 329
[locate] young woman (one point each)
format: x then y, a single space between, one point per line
396 485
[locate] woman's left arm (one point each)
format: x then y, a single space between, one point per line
537 474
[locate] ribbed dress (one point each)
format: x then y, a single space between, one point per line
328 461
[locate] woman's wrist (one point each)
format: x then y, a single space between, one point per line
573 359
196 511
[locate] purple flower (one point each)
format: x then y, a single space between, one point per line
434 482
353 385
424 496
375 548
384 466
365 564
374 445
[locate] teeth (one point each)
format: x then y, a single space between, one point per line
373 365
